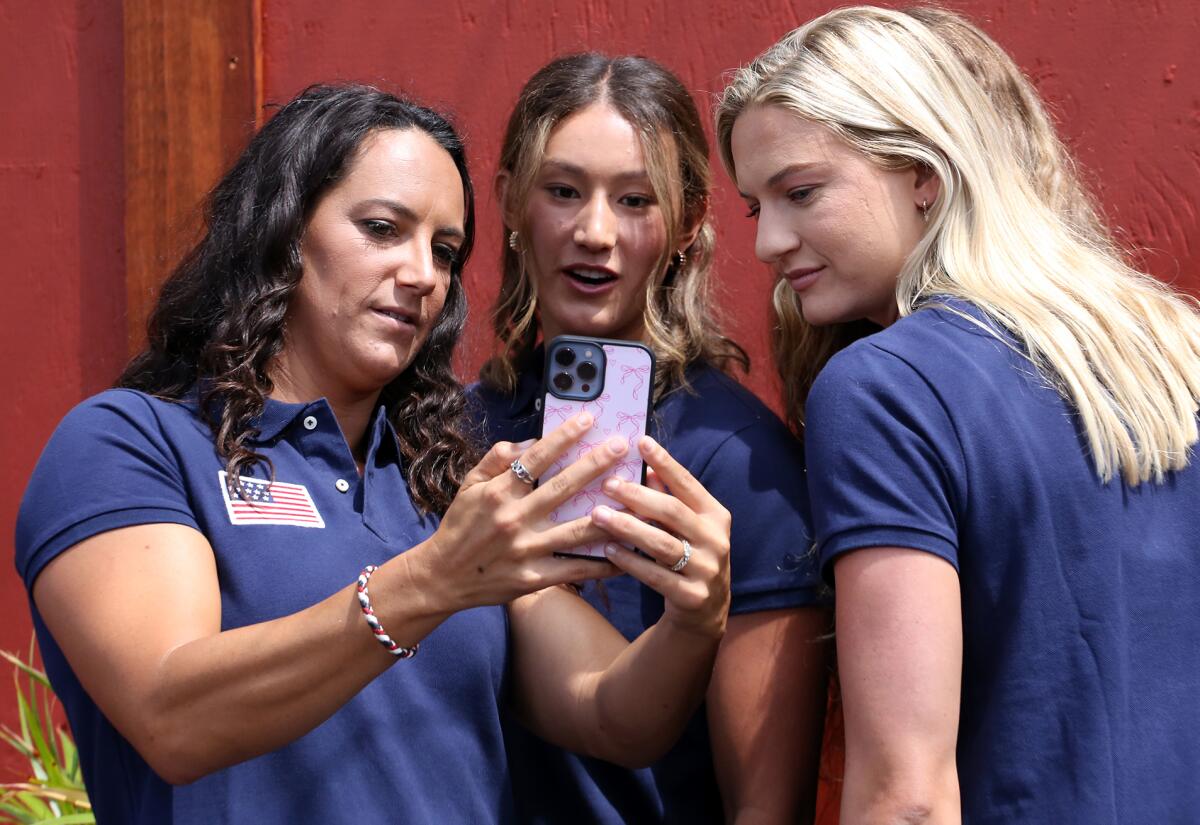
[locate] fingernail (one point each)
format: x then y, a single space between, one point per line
527 443
610 549
617 445
611 484
601 514
646 444
584 419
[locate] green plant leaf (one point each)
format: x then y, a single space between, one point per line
46 761
72 798
56 792
10 738
70 819
31 671
16 814
70 759
35 805
15 811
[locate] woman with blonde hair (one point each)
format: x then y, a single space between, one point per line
603 183
999 417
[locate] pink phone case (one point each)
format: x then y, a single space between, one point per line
621 408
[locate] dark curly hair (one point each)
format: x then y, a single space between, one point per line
219 320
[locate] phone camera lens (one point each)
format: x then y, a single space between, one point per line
587 370
563 381
565 357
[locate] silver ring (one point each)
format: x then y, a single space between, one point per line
521 471
684 559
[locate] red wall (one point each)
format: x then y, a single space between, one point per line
1126 87
62 333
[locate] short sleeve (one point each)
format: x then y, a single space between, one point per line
885 463
108 465
757 473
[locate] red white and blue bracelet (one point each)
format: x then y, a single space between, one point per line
364 601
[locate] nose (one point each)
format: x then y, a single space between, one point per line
774 239
417 270
596 225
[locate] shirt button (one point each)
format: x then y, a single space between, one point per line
342 485
310 422
537 405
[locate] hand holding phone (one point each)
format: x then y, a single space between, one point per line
612 380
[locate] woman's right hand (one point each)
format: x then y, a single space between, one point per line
495 542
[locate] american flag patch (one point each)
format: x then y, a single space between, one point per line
270 502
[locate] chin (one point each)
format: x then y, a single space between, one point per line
820 316
379 372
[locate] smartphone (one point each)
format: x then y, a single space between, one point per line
614 381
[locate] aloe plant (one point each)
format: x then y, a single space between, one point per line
54 793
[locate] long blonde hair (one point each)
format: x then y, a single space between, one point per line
680 320
1120 346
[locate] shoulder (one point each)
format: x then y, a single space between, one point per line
714 402
108 431
113 456
720 431
934 352
121 413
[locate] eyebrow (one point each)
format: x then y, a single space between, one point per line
572 169
785 171
409 215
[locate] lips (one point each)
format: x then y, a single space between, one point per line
802 277
397 315
589 278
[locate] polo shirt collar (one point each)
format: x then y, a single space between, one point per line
277 416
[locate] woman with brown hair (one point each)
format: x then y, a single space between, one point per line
603 184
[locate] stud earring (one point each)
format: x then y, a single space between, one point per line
512 241
925 210
680 258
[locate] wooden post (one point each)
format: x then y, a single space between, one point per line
193 94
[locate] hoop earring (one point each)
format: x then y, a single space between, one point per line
680 258
513 239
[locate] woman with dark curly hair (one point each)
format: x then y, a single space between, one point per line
190 540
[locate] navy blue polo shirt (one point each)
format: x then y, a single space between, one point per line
750 462
421 743
1081 622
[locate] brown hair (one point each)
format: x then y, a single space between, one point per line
680 321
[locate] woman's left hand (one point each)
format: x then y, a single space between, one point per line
697 594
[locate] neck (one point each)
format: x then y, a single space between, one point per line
353 410
635 332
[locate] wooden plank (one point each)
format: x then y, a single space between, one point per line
193 92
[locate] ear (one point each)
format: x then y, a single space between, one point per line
691 228
926 187
500 189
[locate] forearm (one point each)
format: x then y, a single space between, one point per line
900 665
766 708
217 698
918 792
649 691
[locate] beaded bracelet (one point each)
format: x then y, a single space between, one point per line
364 601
